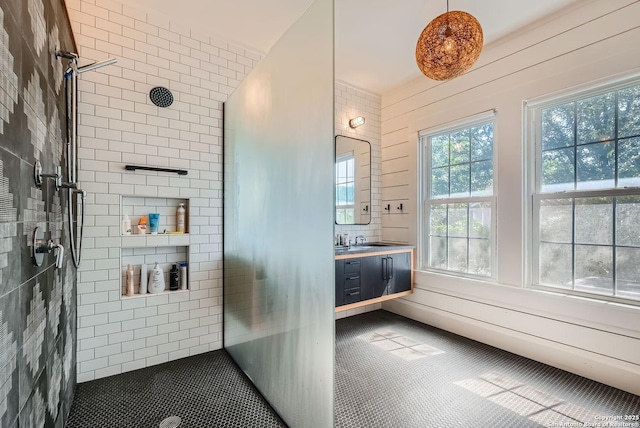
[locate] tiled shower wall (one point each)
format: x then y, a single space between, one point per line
119 125
37 304
352 102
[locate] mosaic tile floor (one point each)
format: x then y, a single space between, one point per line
206 390
395 372
390 372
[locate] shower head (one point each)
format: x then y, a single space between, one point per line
96 65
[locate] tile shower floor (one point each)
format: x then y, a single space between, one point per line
390 372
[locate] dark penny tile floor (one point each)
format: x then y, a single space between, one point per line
390 372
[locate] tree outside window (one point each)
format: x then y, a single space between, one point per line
458 204
587 196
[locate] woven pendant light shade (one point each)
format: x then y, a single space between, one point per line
449 45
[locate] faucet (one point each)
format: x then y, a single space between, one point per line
361 237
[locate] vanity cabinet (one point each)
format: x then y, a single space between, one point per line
367 279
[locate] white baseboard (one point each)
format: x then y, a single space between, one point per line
610 371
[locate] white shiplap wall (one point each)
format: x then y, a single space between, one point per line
118 126
593 41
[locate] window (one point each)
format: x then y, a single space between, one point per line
345 185
458 206
586 200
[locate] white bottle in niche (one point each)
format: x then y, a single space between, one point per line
126 225
156 282
180 219
144 277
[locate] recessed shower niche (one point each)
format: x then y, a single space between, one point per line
166 248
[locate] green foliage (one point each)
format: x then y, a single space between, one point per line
585 133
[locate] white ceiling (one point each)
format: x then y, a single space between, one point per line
375 39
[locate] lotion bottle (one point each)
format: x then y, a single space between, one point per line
156 284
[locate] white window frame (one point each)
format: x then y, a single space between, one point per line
424 191
533 182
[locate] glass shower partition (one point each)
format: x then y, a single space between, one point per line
279 222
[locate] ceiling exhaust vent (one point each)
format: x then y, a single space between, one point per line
162 97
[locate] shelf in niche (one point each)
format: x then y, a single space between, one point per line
142 296
138 206
162 240
165 255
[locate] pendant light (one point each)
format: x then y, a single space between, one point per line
449 45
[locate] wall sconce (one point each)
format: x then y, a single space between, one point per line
356 121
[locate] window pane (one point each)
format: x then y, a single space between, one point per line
480 256
629 112
341 195
628 272
596 118
440 182
438 252
349 216
556 265
558 126
629 162
557 170
482 142
480 220
458 220
341 172
596 166
594 221
594 269
438 218
350 166
459 147
482 178
458 254
350 193
460 180
628 221
340 218
440 151
556 220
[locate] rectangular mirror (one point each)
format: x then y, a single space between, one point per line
353 181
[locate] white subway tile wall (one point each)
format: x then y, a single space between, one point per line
352 102
119 125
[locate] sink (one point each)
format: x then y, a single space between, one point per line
378 244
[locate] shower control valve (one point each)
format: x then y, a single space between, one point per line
41 246
39 176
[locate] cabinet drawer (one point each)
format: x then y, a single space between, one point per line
351 267
352 281
351 295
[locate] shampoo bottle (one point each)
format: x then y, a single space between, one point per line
144 277
129 280
156 283
173 278
183 276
